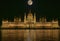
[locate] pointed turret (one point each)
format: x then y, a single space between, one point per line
19 19
30 11
55 23
15 18
45 19
34 17
25 18
40 20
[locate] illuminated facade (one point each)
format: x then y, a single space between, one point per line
30 20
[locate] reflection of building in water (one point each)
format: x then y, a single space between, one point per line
30 20
33 35
12 35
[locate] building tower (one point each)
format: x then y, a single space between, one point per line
34 18
40 20
19 19
45 19
25 18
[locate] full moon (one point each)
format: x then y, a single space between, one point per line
30 2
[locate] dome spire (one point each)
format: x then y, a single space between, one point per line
30 11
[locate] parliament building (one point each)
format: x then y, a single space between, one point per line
29 20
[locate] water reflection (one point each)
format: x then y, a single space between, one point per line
30 35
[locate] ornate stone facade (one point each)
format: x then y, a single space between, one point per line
29 20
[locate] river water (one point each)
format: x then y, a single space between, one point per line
30 35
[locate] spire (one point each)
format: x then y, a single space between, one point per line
45 19
30 11
40 19
25 18
34 17
30 14
19 19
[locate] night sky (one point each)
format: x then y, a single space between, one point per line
11 8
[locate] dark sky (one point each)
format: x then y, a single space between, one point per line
11 8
